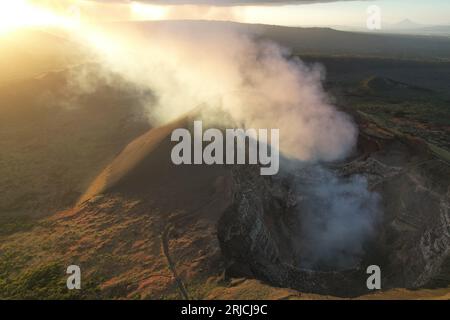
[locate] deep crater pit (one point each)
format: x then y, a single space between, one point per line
317 228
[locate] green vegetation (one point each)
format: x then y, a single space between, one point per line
10 225
428 121
200 288
46 281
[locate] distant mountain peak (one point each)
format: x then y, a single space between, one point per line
407 20
407 24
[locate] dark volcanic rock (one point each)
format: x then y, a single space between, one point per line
412 244
256 237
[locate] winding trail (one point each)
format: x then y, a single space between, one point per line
165 248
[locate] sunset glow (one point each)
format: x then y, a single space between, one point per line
147 12
21 13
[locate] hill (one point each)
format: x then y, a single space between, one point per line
56 137
326 41
27 53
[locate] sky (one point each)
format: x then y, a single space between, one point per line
354 13
297 13
345 13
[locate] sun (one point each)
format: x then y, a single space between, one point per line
15 14
142 11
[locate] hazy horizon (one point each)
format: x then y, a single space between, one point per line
319 14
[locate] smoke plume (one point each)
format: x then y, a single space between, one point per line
188 65
259 85
337 217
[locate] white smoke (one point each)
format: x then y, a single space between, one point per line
189 65
338 217
259 85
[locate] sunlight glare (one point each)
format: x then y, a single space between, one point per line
15 14
142 11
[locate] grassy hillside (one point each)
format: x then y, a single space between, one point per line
55 140
28 53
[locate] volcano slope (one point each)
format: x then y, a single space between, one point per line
63 118
145 225
147 229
